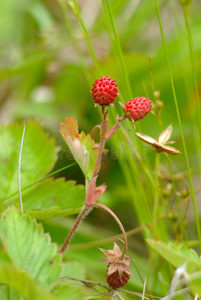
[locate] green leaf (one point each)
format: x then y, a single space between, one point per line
69 292
74 269
81 145
54 198
21 282
29 248
38 156
177 255
66 289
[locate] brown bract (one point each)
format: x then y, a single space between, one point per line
161 141
116 261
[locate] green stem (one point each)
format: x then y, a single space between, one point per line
181 221
86 35
155 209
180 126
118 48
102 143
19 169
190 43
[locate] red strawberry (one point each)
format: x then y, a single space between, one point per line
118 272
115 281
137 108
104 91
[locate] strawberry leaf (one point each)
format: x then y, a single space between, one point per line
38 156
54 198
29 248
81 145
21 283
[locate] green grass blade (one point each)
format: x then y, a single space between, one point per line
180 125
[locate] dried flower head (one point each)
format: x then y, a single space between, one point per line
118 272
160 142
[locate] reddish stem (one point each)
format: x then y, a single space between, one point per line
118 221
92 184
102 142
74 228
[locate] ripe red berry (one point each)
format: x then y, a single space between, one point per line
115 281
104 91
137 108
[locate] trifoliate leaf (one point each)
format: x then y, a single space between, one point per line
29 248
38 156
54 198
81 145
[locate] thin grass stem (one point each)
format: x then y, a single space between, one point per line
180 125
181 221
156 200
86 35
117 47
19 168
190 44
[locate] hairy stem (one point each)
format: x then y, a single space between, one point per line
74 228
119 223
102 143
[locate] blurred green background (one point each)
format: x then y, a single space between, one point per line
47 72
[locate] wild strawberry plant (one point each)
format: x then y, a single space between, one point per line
43 254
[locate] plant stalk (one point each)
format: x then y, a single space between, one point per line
89 201
74 228
119 223
155 209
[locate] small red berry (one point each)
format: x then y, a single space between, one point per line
115 281
137 108
104 91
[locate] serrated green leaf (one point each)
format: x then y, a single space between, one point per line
81 145
22 283
54 198
38 156
177 255
29 248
